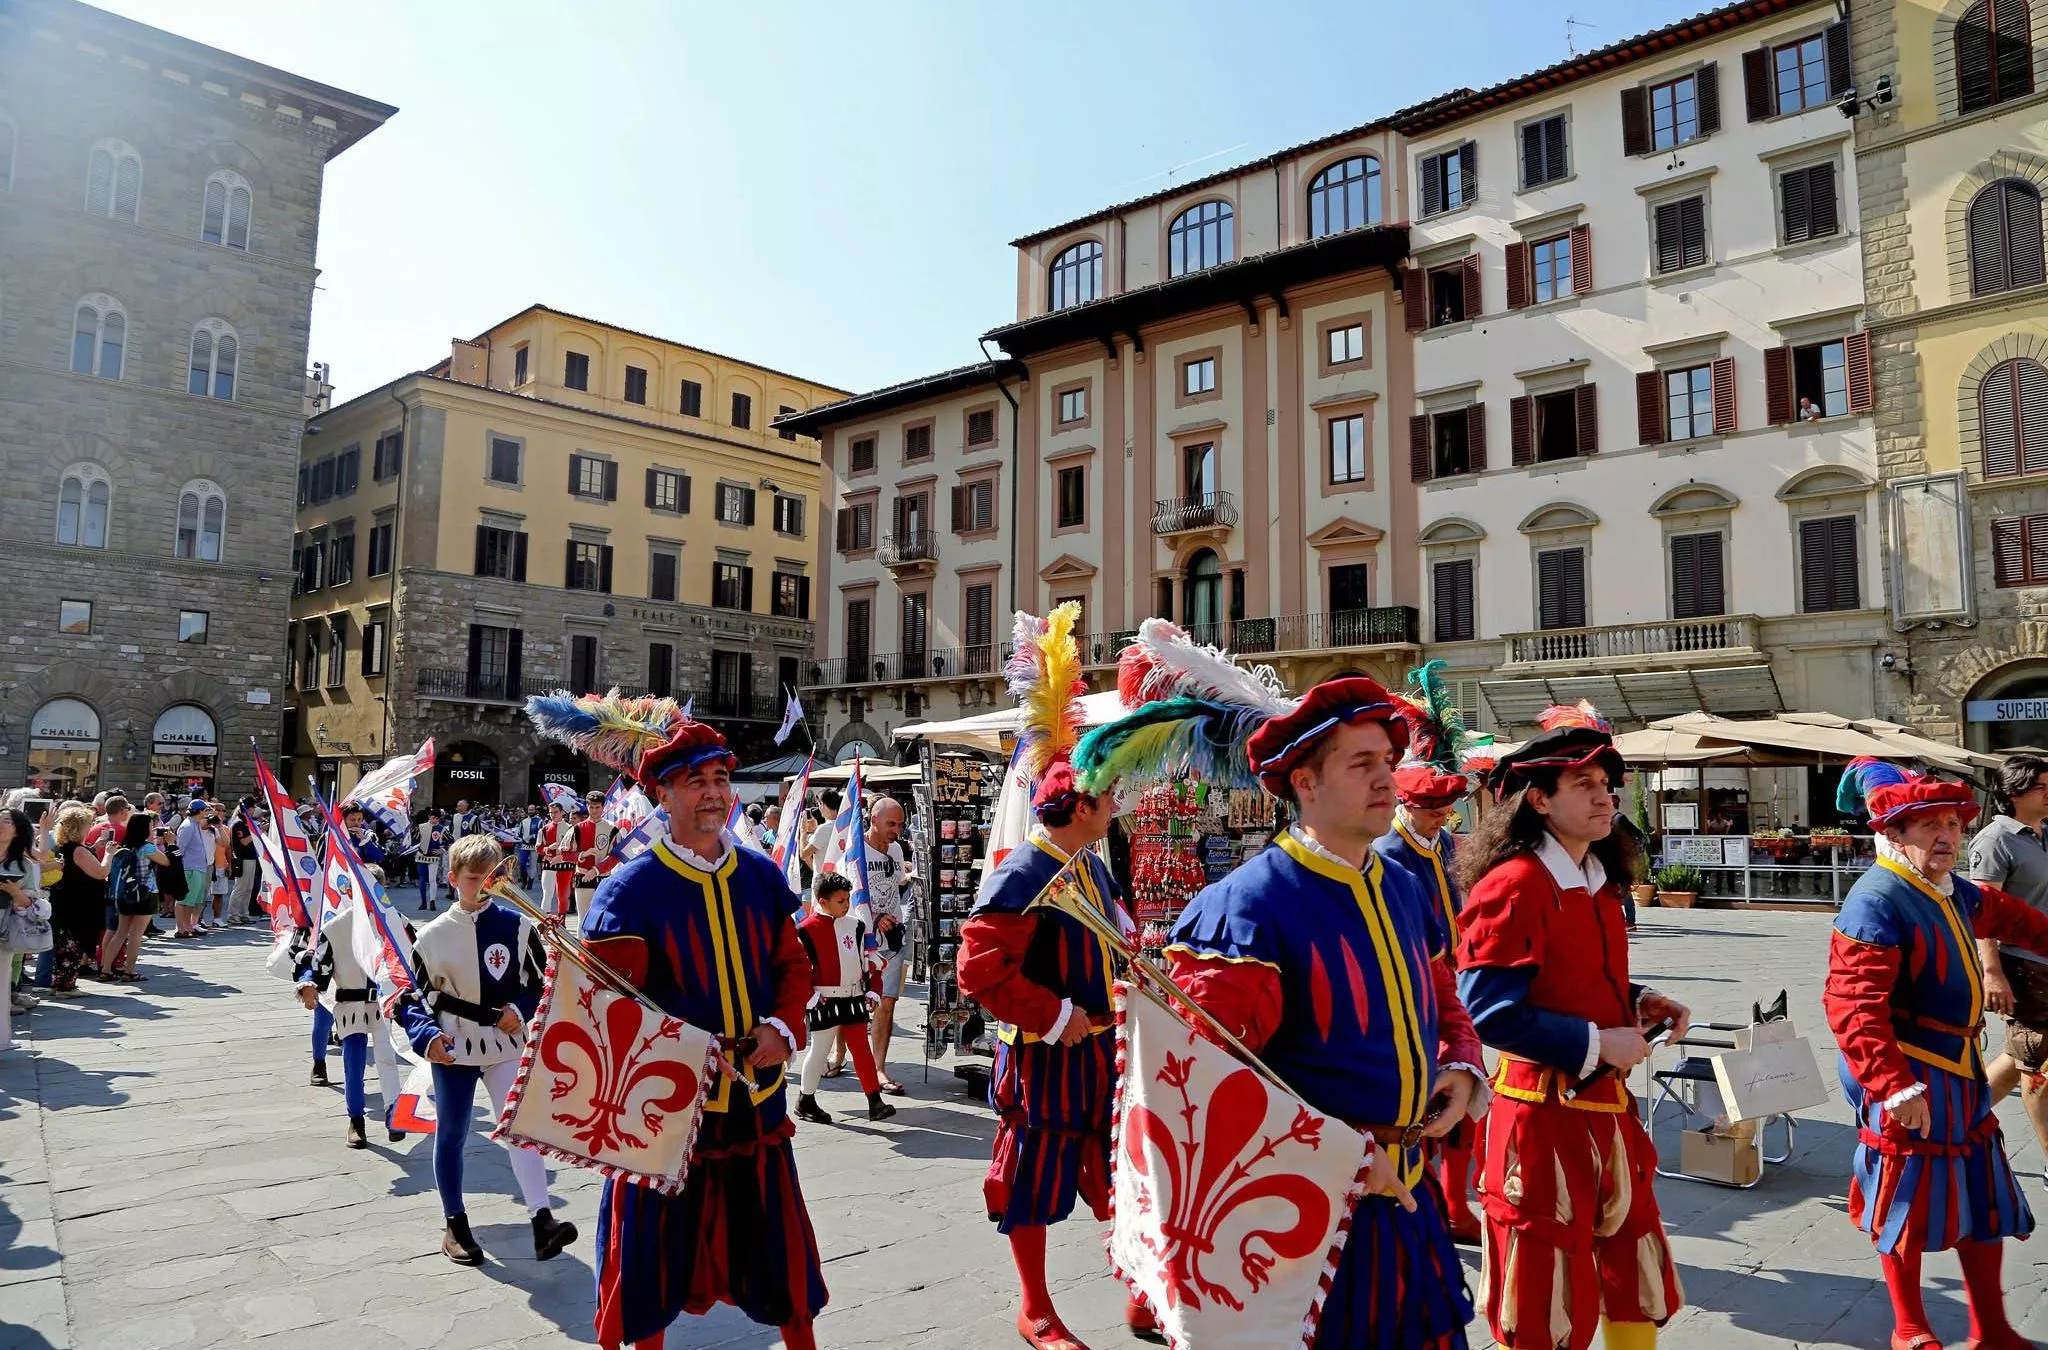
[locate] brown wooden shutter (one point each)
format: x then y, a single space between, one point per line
611 480
1841 72
1724 396
2030 378
803 597
1582 259
747 506
1419 464
686 494
1649 407
1588 410
482 533
1856 354
842 525
519 556
1757 95
1471 271
650 487
1521 430
2008 551
1414 307
1518 275
515 661
569 565
1998 421
1820 187
1685 575
1707 98
1475 436
1796 205
1468 174
1778 405
959 501
604 568
1635 122
1432 185
746 589
900 509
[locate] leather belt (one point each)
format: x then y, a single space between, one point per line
462 1007
351 995
1936 1025
1395 1136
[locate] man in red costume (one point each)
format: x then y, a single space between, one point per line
557 860
1905 999
1573 1236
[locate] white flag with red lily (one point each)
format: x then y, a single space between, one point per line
1232 1196
606 1082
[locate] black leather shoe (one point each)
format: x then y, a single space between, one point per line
457 1244
318 1078
807 1108
550 1235
879 1109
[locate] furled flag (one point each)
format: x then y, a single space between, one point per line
792 713
562 795
1013 814
846 852
377 937
294 867
788 846
385 793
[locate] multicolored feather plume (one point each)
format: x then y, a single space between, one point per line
1437 734
1584 715
1044 675
1164 662
1860 777
610 728
1168 739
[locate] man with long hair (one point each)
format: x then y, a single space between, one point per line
1905 999
1573 1235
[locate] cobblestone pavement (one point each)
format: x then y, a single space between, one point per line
168 1181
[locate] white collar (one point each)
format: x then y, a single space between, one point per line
1887 849
1567 874
1038 836
1315 847
467 915
725 846
1429 845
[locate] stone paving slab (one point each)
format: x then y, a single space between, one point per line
168 1181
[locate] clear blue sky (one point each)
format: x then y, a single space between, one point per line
826 188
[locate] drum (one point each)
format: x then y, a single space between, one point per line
2028 975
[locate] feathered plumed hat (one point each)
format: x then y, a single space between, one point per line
1432 774
1894 803
1196 711
1862 776
1571 738
1044 675
646 737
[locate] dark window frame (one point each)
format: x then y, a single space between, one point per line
576 371
1074 277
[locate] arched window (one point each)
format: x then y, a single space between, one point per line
2012 418
113 181
1205 597
2004 232
1994 57
215 351
99 334
224 218
1077 275
1344 196
202 520
1201 236
6 153
83 503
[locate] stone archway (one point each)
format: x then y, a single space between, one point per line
2008 708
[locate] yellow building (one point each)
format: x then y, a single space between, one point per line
1952 160
560 503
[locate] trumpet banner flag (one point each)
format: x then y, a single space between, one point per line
1233 1197
606 1082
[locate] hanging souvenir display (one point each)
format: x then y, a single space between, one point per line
1166 864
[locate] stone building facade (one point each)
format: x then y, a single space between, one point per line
159 205
1952 173
559 504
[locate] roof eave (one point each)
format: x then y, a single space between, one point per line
812 422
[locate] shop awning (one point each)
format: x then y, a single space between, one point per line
1807 737
771 770
985 731
871 775
1637 696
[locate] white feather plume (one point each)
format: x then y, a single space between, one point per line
1187 667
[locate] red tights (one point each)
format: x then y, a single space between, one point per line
1981 1262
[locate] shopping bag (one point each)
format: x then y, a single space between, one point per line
1771 1072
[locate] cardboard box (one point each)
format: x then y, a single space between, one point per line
1729 1159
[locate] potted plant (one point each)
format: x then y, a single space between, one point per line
1679 884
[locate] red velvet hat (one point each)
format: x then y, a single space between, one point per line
1426 788
1055 789
692 743
1897 802
1277 746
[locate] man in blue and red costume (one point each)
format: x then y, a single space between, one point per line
1905 999
1420 845
1323 959
1047 978
706 931
1573 1235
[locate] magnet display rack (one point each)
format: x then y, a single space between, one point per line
954 847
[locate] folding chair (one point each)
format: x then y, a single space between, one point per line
1685 1082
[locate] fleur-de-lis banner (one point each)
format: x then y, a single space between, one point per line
1231 1195
608 1083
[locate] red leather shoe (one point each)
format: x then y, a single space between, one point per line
1047 1334
1142 1323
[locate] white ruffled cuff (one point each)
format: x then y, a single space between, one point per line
1899 1099
1482 1092
782 1029
1059 1024
1592 1049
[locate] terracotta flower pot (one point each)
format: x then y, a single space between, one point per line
1677 899
1645 896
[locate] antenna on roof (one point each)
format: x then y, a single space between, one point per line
1571 45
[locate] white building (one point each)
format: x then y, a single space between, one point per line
1641 436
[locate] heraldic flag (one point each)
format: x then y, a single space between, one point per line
609 1083
1233 1197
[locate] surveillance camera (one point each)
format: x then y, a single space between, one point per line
1888 660
1848 105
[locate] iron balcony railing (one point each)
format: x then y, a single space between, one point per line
483 686
1380 626
1635 641
910 546
1205 511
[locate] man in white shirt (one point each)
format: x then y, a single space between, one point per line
886 869
821 838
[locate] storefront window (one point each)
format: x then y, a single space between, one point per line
183 751
64 749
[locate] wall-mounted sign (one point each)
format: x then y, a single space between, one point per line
569 779
464 775
185 729
2006 710
64 724
259 696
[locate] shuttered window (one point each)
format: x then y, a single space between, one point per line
1543 151
1806 203
980 615
2004 232
1561 588
861 457
2012 415
2019 551
1994 57
1450 179
661 664
857 637
1828 570
1451 613
1681 234
1697 588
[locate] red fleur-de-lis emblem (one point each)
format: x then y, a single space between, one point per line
1209 1167
618 1093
